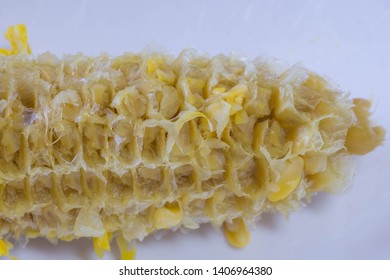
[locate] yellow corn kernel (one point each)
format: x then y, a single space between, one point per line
241 117
32 233
290 178
167 77
170 102
362 109
218 90
196 85
68 102
168 216
236 233
17 37
363 138
67 238
218 114
130 102
126 252
314 163
100 95
3 248
324 181
237 94
154 63
315 82
259 133
101 244
276 135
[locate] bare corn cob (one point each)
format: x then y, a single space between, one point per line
126 146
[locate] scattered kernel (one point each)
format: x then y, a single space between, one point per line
236 233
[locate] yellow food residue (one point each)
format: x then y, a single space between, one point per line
18 39
236 233
102 244
5 246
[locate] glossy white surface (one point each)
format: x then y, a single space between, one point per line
347 41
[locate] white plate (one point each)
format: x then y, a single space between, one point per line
348 41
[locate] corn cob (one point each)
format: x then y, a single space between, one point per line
124 147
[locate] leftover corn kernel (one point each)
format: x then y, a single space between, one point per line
167 216
236 233
290 177
101 244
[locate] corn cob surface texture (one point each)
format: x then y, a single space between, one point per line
126 146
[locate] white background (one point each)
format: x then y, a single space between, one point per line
347 41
